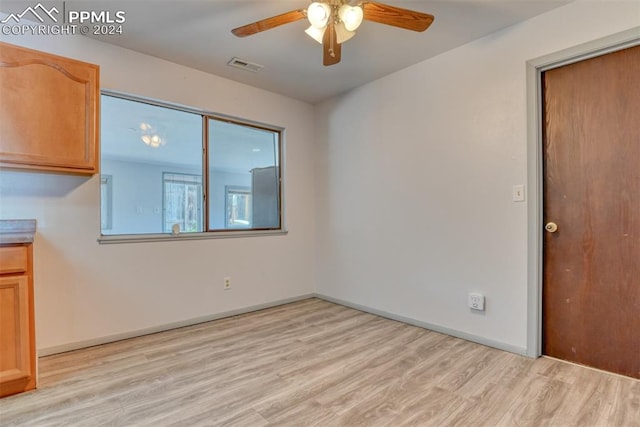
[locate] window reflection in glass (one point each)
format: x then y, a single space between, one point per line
182 202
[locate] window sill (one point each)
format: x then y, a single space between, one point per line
148 238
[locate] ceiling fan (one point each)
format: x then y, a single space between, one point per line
333 22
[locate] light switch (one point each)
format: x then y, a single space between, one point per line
518 193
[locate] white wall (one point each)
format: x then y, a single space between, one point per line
85 291
415 174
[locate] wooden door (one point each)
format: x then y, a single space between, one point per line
591 290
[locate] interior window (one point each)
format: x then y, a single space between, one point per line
170 170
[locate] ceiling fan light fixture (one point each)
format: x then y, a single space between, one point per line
318 14
351 16
316 33
334 21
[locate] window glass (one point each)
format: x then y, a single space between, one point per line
247 157
141 142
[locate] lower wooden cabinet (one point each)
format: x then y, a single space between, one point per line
17 338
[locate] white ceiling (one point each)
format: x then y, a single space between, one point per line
197 33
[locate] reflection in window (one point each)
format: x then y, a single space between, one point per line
106 188
238 207
182 202
139 142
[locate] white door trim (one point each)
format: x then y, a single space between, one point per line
535 68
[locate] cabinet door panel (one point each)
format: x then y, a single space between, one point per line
48 112
13 259
15 349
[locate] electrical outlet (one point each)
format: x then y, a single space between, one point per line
476 301
227 283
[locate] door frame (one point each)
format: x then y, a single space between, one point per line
535 68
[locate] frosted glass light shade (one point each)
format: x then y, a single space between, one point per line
316 33
342 34
318 14
351 16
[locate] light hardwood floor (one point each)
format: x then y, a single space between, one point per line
315 363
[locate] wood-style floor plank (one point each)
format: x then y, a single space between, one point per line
315 363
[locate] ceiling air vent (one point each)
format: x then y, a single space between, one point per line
245 65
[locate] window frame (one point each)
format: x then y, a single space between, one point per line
206 233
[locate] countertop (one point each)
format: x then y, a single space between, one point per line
16 231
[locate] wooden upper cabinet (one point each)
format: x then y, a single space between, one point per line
49 112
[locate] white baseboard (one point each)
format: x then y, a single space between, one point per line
436 328
48 351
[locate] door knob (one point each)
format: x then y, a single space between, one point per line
551 227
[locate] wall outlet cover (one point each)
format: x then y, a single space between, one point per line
476 301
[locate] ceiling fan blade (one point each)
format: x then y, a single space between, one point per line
269 23
397 17
332 50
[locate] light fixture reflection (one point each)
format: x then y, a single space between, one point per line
150 136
